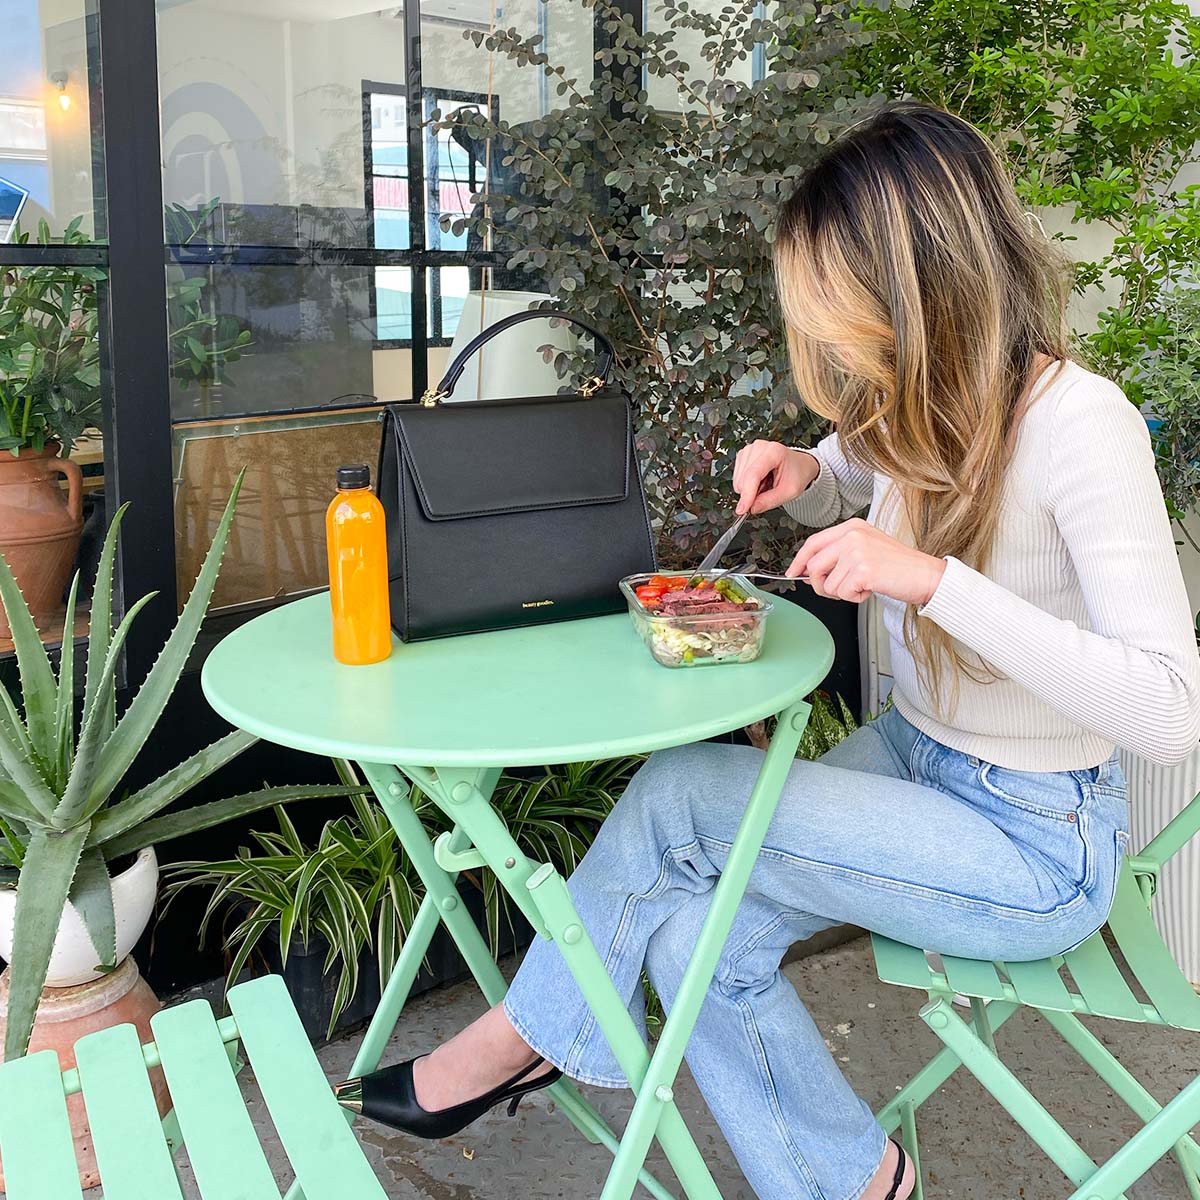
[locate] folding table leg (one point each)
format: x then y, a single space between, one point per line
395 993
654 1111
714 933
393 794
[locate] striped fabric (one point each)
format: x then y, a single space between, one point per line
1082 613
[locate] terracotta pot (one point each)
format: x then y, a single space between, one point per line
68 1014
39 527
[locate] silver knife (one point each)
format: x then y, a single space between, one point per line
713 557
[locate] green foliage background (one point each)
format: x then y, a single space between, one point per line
659 223
1096 104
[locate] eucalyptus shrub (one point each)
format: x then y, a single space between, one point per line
658 225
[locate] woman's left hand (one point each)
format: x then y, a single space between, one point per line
852 560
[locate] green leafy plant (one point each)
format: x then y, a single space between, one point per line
49 349
357 889
1097 106
830 722
203 341
658 225
61 818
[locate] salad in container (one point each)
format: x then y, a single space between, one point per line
692 619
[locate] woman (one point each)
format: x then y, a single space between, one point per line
1018 541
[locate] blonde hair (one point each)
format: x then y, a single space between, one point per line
919 299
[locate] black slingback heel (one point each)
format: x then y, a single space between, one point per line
901 1166
389 1097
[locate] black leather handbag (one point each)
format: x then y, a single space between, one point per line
511 512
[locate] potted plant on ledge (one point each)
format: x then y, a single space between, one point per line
49 392
78 874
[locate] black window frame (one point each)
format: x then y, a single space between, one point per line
420 205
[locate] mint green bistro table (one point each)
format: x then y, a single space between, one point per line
448 716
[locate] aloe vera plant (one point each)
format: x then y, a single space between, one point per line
61 817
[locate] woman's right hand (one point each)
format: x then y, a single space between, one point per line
790 472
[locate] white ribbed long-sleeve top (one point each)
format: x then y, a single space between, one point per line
1081 614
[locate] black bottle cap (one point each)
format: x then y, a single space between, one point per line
356 475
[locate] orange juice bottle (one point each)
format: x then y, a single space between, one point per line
358 574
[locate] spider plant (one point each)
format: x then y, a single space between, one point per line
357 888
62 820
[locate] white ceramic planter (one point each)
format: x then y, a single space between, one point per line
1156 794
74 958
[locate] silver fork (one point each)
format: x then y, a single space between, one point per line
745 573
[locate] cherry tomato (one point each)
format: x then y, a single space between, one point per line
660 581
648 594
677 582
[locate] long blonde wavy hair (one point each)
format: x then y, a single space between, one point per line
919 300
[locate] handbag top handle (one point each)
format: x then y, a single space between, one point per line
604 351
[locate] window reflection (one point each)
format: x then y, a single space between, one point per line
307 280
387 193
308 338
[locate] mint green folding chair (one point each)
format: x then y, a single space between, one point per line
1096 986
136 1149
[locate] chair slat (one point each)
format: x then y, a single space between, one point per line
1038 984
1149 959
221 1143
35 1131
973 977
319 1141
1100 982
897 963
131 1151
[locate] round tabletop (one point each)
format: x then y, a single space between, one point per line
547 694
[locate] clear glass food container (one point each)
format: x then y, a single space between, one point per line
701 639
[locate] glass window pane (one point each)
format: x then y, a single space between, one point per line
448 288
52 402
393 304
271 117
459 76
455 167
51 154
277 546
388 192
248 339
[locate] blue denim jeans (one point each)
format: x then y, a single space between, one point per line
891 831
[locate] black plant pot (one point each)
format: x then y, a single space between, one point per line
312 990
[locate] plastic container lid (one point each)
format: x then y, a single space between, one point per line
355 475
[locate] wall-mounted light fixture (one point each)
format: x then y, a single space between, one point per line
59 79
